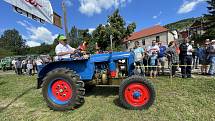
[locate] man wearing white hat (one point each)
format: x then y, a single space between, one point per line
212 58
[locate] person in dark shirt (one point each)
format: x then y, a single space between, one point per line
212 58
19 66
186 58
161 57
173 56
201 54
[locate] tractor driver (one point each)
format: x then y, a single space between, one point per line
63 50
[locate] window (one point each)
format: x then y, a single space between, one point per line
143 42
157 38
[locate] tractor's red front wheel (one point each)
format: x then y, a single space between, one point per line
136 93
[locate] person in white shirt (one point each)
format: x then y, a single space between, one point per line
152 52
14 65
63 50
29 68
24 63
153 49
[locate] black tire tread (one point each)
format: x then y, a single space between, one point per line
74 78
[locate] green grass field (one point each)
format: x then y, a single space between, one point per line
179 99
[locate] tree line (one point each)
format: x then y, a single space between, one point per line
12 43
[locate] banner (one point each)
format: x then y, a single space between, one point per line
57 20
39 10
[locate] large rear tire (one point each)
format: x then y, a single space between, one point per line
63 90
136 93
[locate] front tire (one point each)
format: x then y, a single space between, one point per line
63 90
136 93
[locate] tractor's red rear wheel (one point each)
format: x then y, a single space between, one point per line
63 89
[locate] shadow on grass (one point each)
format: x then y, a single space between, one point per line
15 99
2 83
118 104
103 91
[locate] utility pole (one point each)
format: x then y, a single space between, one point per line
111 42
65 18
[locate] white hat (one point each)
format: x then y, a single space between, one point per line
212 41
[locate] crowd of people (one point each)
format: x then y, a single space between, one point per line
149 60
185 56
28 66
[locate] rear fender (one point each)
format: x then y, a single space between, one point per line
84 68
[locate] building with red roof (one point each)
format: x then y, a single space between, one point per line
145 36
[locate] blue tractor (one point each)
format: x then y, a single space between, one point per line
63 82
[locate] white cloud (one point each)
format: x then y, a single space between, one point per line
91 30
21 23
155 17
37 34
32 43
91 7
41 34
189 6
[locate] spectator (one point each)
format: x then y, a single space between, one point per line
39 64
173 56
161 57
201 53
34 66
192 43
152 52
153 64
139 55
153 49
207 53
207 41
29 68
14 65
197 57
24 65
186 58
146 62
212 58
19 66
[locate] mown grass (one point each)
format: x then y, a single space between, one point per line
179 99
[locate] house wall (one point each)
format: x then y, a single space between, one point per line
165 38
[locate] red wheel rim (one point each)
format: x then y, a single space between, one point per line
61 90
137 94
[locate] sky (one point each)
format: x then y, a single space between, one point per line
88 14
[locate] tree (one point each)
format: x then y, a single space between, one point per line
12 41
77 36
210 24
100 36
116 26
